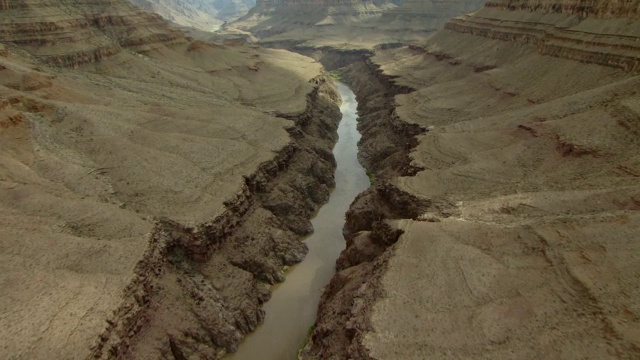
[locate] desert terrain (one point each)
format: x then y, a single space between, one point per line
154 187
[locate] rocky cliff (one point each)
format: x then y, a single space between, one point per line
502 219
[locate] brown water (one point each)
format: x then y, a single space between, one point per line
293 305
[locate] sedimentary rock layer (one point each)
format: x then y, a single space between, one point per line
602 32
598 8
73 34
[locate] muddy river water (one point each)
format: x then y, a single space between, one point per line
292 308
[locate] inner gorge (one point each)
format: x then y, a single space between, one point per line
291 311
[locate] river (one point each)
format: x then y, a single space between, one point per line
291 311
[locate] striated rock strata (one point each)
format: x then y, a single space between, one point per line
70 35
598 32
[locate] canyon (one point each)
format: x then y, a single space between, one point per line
154 187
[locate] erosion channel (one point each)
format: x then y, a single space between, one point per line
291 311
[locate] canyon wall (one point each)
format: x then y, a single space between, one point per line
301 20
597 8
426 16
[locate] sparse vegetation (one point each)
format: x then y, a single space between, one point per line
371 177
336 75
307 339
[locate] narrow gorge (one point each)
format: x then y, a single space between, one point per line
291 311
